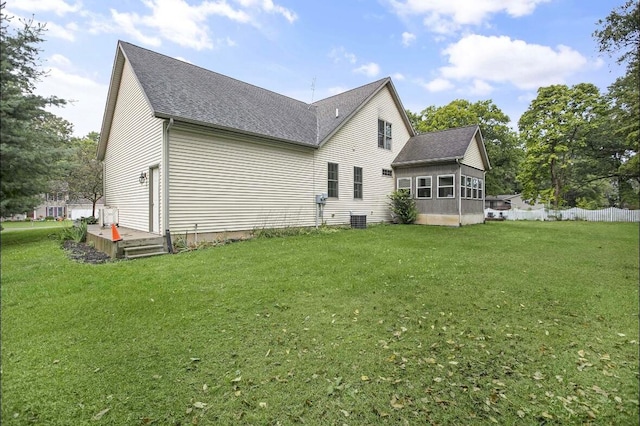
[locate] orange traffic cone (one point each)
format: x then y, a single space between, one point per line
115 235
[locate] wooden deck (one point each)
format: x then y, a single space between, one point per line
134 243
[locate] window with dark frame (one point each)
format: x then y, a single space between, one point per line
384 134
332 180
357 183
387 172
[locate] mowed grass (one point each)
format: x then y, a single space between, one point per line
10 226
513 322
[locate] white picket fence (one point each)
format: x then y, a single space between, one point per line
611 214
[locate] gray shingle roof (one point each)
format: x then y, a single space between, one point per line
445 145
179 90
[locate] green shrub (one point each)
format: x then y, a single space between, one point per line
89 220
403 206
77 233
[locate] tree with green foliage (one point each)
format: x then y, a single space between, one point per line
85 171
503 148
619 35
556 128
403 206
32 140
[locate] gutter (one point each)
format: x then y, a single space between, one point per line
458 191
165 183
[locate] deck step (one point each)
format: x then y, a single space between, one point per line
135 252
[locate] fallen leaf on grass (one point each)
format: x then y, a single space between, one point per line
99 415
199 404
345 413
396 403
236 380
538 375
263 405
520 414
364 378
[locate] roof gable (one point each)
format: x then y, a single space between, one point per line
188 93
442 146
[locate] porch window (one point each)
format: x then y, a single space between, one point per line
475 188
357 183
332 180
469 187
480 189
423 187
384 134
463 181
404 184
446 188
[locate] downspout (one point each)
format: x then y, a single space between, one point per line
458 192
165 184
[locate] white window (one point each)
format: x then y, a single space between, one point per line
469 191
332 180
357 182
423 187
404 184
446 186
384 134
480 189
463 180
475 188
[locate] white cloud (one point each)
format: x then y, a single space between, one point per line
438 85
398 76
60 61
59 7
87 97
338 54
125 22
184 23
408 38
503 60
447 16
370 70
480 88
270 7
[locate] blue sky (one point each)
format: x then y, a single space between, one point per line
435 51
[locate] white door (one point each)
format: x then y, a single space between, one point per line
154 201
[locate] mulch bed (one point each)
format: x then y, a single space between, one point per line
83 252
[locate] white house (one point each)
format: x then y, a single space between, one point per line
186 149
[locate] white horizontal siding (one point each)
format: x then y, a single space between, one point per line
135 144
356 144
472 157
231 185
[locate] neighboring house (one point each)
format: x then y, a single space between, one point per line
509 201
54 205
445 173
79 208
186 149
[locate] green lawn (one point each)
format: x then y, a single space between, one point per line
511 322
10 226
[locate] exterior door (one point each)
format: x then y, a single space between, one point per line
154 201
